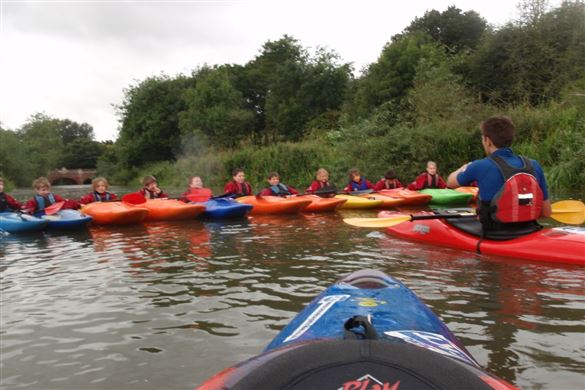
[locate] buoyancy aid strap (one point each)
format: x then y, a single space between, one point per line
41 201
508 171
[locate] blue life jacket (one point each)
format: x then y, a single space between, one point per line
362 185
279 190
42 202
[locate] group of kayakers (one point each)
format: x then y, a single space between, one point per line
505 181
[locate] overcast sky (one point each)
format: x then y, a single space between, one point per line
73 59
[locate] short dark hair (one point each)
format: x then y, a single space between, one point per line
500 130
236 171
390 174
273 174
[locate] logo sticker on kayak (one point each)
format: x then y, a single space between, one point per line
432 341
324 304
368 382
369 302
422 229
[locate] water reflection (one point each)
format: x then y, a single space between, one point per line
165 305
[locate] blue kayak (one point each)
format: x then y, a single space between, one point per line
367 331
21 223
223 208
66 219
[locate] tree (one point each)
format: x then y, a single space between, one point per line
215 109
150 120
457 31
388 80
81 153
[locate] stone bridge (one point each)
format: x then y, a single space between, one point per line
66 176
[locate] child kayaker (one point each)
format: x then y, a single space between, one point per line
100 192
276 188
150 188
7 202
321 181
238 186
357 182
390 181
44 198
428 179
196 192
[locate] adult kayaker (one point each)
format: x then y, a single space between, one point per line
150 188
100 192
196 192
276 188
512 189
357 182
428 179
44 198
7 202
388 182
238 186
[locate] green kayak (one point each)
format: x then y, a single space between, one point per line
447 196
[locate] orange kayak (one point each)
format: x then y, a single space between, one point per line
320 205
171 210
275 204
469 190
115 213
410 198
388 201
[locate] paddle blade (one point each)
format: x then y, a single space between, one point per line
54 208
134 198
377 222
571 212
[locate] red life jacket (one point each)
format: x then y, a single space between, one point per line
198 194
520 199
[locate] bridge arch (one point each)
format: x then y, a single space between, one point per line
66 176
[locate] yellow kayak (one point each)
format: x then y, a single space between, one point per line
357 202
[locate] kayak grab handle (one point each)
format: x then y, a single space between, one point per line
360 328
368 279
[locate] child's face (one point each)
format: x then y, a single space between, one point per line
1 186
196 182
100 187
431 169
324 177
274 180
356 178
240 177
152 186
43 190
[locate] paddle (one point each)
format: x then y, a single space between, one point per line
569 212
54 208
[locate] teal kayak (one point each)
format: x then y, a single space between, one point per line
447 197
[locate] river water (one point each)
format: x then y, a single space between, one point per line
166 305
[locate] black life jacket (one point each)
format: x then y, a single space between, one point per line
4 206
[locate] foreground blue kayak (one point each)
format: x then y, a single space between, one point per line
21 223
225 208
367 331
66 219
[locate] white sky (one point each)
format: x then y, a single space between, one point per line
73 59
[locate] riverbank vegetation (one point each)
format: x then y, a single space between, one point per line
293 110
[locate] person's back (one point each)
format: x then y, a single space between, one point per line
388 182
512 189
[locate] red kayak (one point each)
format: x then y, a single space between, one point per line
171 210
320 205
115 213
275 204
557 245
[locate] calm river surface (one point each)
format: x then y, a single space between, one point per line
166 305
